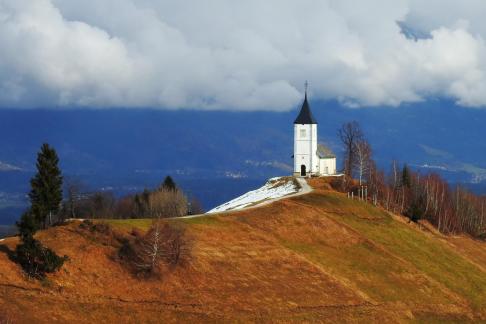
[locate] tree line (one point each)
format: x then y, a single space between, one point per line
48 208
412 194
166 201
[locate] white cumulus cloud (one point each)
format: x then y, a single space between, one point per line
241 55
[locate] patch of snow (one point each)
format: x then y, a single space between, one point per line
274 188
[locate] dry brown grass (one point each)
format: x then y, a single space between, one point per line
314 258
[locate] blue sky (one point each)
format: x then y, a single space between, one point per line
239 55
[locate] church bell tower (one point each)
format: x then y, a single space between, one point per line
306 160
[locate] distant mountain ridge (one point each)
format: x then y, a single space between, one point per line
133 149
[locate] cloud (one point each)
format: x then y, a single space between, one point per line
241 55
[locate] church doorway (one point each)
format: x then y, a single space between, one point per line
303 171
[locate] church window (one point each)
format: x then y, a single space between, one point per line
302 133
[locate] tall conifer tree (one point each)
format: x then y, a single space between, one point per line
169 184
45 197
406 179
46 187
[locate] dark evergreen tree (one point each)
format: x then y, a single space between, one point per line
169 184
416 210
141 203
406 179
27 226
35 259
46 187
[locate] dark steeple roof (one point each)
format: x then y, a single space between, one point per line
305 115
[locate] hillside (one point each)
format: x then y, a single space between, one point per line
314 257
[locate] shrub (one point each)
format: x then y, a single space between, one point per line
162 244
176 245
37 260
135 232
416 210
482 236
101 233
102 228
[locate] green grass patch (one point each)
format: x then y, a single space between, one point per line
339 203
128 224
394 261
379 275
427 254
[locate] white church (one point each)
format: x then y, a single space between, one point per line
310 158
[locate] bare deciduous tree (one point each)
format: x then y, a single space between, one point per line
165 203
163 243
149 251
350 134
74 190
363 159
101 204
177 245
195 207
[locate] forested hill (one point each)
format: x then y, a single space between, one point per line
317 257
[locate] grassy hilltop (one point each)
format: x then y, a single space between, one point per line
316 257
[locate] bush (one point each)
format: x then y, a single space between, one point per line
126 253
37 260
176 246
343 184
482 236
100 233
162 244
135 232
33 257
101 228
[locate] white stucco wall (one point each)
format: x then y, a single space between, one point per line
305 148
327 166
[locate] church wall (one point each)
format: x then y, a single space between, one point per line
315 157
305 148
328 166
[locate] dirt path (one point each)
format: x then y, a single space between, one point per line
304 189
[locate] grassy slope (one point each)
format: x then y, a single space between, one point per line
318 257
